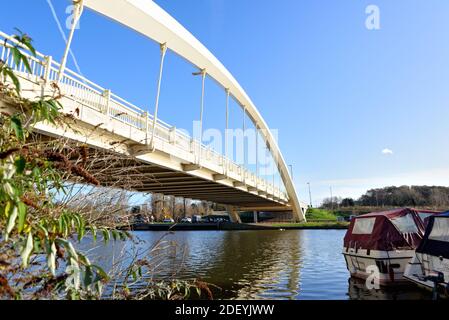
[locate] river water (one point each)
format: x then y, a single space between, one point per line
291 264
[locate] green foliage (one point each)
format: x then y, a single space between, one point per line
320 214
31 223
24 41
38 258
406 196
168 290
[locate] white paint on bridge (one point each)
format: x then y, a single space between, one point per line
170 148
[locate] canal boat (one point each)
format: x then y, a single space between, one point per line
383 243
429 267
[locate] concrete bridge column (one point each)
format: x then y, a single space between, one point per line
233 214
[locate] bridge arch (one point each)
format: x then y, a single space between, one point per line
148 19
215 177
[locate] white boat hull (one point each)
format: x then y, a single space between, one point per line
390 264
423 265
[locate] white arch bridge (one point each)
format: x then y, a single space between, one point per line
183 166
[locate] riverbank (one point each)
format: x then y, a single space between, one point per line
229 226
312 225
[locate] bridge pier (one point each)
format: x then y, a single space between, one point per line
233 214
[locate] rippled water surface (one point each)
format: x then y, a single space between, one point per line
296 264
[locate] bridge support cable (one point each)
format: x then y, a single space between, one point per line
203 74
78 11
244 144
158 93
243 136
225 162
257 156
266 170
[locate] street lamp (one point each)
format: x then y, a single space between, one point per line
310 195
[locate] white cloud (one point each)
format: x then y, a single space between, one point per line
387 151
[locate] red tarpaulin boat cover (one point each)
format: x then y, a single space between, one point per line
388 230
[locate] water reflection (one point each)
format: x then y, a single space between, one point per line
359 291
295 264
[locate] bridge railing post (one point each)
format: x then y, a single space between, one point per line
145 125
107 97
47 68
223 165
242 173
173 135
194 150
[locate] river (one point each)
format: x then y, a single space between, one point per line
293 264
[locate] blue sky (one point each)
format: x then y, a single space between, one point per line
338 93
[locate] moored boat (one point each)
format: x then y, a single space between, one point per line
383 243
429 267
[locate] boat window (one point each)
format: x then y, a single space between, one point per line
405 224
363 226
440 230
424 215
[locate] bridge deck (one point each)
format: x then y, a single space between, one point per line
174 165
118 170
157 179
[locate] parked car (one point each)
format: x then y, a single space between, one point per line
168 220
186 220
138 219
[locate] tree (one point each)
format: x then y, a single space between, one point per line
331 203
406 196
347 202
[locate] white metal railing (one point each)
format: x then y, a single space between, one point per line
45 70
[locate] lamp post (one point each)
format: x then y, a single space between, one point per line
332 199
310 195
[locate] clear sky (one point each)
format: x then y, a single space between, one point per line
355 108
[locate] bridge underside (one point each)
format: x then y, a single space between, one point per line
168 169
113 169
157 179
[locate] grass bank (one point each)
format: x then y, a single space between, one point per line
316 219
311 225
320 214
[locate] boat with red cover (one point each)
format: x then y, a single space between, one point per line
386 240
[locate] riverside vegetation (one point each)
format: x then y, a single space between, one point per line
39 258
